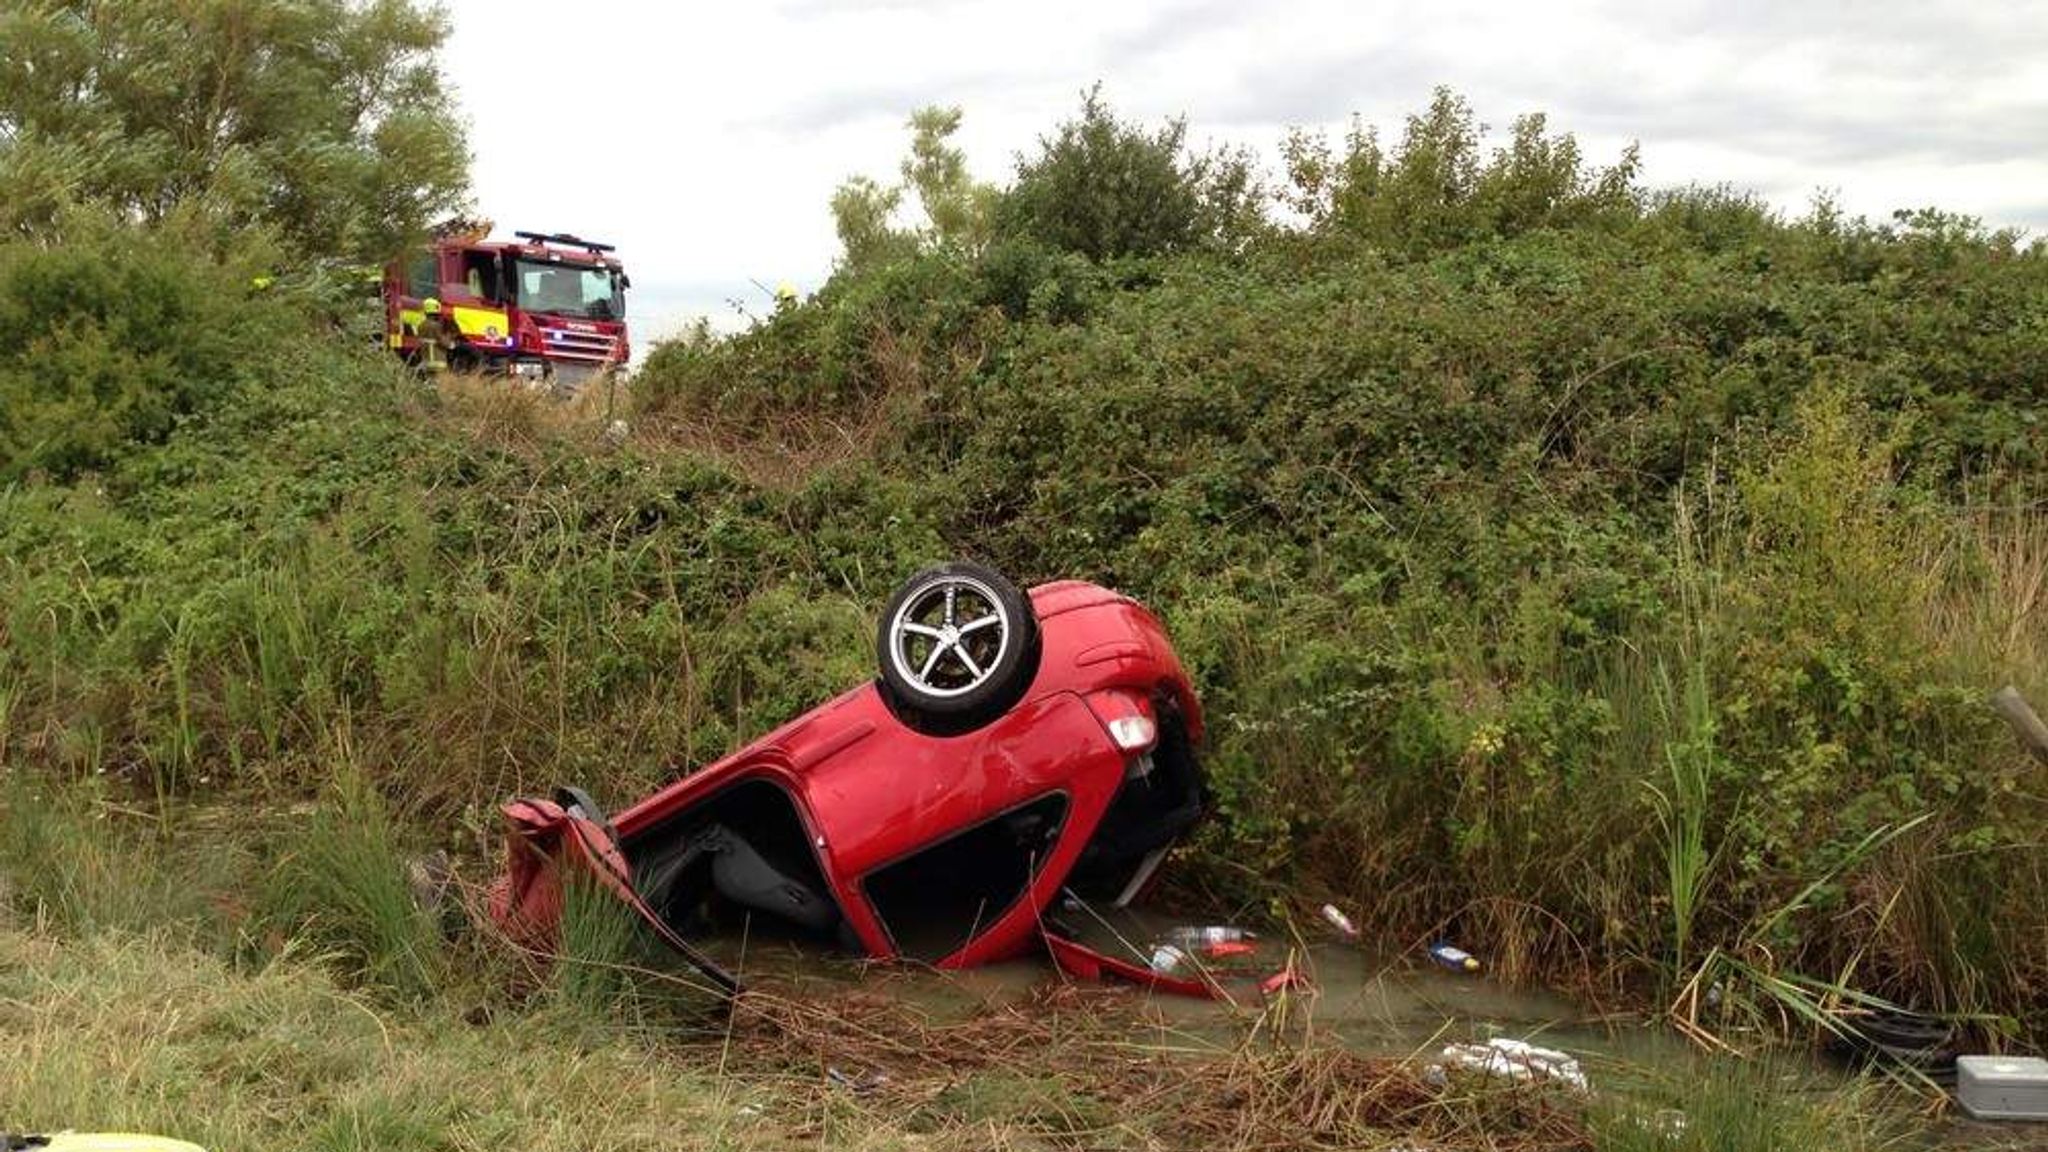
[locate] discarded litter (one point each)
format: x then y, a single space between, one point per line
1340 922
1452 957
859 1085
2003 1087
1168 959
1208 936
1213 942
1286 978
1515 1060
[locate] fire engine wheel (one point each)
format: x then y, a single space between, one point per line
958 644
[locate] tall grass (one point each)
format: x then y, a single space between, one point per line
1722 1105
599 966
146 1033
344 890
183 736
70 861
1682 809
1686 716
10 697
1988 619
1968 900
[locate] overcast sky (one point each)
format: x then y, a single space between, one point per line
705 139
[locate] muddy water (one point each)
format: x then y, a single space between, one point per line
1395 1006
1378 1005
1381 1005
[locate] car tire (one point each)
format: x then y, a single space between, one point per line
957 645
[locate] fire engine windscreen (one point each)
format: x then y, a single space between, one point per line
570 290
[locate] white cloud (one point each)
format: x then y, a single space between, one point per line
706 139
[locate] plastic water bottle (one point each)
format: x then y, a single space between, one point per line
1204 937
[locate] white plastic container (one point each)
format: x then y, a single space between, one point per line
2003 1087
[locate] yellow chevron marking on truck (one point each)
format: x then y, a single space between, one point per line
482 323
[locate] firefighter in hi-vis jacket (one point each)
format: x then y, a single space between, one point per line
433 341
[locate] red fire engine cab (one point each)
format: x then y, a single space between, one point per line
548 307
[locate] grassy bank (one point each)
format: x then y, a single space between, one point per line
1610 581
148 1034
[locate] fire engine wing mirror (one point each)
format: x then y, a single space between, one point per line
625 281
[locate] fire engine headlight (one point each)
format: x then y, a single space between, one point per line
1133 733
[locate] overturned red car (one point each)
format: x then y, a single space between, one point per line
1013 753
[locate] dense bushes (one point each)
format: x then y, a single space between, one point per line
110 340
325 559
1437 192
1416 523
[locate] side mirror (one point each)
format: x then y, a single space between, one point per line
625 281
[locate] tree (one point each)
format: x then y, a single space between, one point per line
1437 190
956 207
862 211
1104 188
323 119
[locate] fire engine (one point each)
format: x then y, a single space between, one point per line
547 307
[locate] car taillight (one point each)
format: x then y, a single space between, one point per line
1127 715
1133 733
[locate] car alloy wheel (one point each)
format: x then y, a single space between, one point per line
957 640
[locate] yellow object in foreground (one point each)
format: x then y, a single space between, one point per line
112 1142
